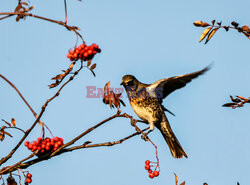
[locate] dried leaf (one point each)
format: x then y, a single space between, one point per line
30 8
8 134
237 100
11 181
93 66
219 23
213 21
13 122
198 23
19 6
204 24
235 24
17 18
241 97
226 28
125 104
92 72
205 32
6 122
2 135
211 34
106 87
89 63
176 179
58 77
71 66
183 183
25 3
229 104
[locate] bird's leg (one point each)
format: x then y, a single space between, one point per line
144 136
152 126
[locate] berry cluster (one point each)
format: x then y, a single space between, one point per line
84 52
28 178
45 145
151 174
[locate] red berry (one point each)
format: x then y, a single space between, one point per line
86 48
147 162
28 180
56 139
81 46
56 145
61 139
52 143
149 171
90 52
47 148
95 45
30 146
26 143
94 52
43 146
60 143
68 55
39 140
52 140
29 175
48 144
77 51
85 54
39 148
151 175
156 173
42 150
75 55
147 167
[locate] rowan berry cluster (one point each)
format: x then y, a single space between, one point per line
45 145
83 52
151 173
28 178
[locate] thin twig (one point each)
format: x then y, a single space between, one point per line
20 165
70 28
4 159
20 94
16 128
65 8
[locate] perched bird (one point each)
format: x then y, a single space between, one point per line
146 101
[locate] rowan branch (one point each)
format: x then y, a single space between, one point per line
21 165
75 29
4 159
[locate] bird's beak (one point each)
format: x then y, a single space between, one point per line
122 83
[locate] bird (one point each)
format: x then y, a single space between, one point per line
146 101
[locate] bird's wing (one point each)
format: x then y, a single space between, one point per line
162 88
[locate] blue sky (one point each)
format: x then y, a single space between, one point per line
151 40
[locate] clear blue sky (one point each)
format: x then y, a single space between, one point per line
151 40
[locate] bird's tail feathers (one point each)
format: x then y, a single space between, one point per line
175 147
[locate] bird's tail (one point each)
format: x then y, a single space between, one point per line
173 143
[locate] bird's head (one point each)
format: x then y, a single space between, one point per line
129 82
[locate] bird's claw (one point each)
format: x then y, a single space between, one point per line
144 136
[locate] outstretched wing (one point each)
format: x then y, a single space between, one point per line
162 88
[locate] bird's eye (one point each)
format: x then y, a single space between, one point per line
130 83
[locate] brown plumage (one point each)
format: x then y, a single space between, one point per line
146 101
